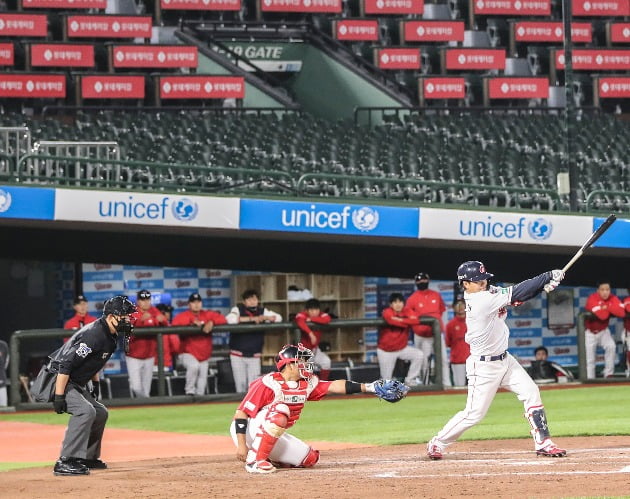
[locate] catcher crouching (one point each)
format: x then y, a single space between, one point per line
274 403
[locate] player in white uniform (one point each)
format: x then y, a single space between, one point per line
490 366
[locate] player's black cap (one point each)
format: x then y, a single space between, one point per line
194 297
422 276
79 298
144 294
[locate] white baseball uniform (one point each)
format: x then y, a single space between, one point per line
490 366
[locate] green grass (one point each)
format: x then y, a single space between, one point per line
17 466
571 412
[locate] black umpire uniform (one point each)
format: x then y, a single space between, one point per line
81 358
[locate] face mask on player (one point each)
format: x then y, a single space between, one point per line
123 326
422 285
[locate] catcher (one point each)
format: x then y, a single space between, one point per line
274 403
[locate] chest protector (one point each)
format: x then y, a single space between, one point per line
292 393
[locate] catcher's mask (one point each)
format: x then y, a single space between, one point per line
300 355
120 306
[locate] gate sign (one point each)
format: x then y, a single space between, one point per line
593 59
7 54
62 54
112 87
614 87
620 32
357 29
323 6
109 26
434 31
394 6
513 7
475 59
64 4
32 85
518 88
398 58
200 4
154 56
443 88
606 8
202 87
23 25
542 31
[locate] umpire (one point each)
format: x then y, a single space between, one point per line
77 362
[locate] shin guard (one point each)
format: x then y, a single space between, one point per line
538 421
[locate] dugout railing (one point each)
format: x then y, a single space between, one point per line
18 338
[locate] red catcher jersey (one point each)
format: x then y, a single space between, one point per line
273 389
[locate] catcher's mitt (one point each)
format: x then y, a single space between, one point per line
390 390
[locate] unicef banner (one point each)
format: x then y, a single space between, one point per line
327 218
35 203
504 227
617 236
146 209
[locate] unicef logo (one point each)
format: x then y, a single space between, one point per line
365 219
539 229
5 201
185 209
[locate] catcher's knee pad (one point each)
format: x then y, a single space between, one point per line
276 422
311 458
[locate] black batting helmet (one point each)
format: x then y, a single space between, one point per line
296 354
118 305
473 271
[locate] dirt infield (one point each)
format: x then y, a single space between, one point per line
595 466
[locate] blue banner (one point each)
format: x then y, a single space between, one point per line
35 203
327 218
617 235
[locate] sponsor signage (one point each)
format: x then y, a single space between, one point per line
433 31
202 87
607 8
443 88
109 26
7 54
357 29
32 85
617 236
541 31
620 32
326 6
393 6
518 88
23 24
512 7
481 226
62 54
328 218
35 203
64 4
112 87
146 209
614 87
475 59
200 4
593 59
154 56
398 58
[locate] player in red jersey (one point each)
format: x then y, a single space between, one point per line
81 317
626 325
460 350
274 403
312 315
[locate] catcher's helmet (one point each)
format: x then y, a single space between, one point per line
473 271
118 305
298 354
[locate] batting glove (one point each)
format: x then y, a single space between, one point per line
557 275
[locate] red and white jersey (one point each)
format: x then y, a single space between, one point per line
394 336
626 306
602 309
302 320
272 389
78 321
425 303
486 312
455 340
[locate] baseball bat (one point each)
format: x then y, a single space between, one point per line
591 240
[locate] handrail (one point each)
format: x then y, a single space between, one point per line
159 109
429 183
18 336
593 194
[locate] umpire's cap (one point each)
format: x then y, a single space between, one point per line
118 305
473 271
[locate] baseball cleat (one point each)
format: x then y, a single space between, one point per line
551 450
93 464
434 451
67 466
260 467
